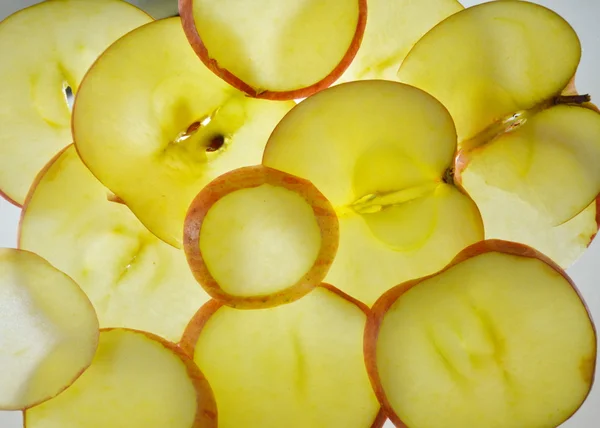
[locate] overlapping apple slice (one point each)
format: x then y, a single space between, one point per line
134 279
381 152
499 338
48 330
275 49
298 365
257 237
137 380
46 50
155 125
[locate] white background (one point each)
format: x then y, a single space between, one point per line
583 15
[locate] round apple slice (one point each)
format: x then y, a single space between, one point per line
275 49
170 127
299 365
388 177
35 121
257 237
499 338
48 330
137 380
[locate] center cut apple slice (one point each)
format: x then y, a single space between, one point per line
46 50
154 125
499 338
381 152
257 237
137 380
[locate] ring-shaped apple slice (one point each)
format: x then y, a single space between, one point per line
172 128
46 49
499 338
381 152
48 330
299 365
257 237
133 279
275 49
137 380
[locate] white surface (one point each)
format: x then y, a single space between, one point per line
583 16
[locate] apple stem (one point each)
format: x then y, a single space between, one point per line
572 99
114 198
448 176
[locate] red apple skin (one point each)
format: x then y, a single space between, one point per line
189 27
197 323
382 305
248 177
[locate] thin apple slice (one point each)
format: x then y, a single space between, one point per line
500 338
387 176
275 49
133 278
46 49
175 128
257 237
137 380
298 365
48 330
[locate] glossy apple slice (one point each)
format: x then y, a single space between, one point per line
45 50
137 380
387 176
133 278
275 49
501 337
298 365
48 330
257 237
171 128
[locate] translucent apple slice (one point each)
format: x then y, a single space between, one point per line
134 279
388 176
275 49
137 380
170 127
35 121
501 337
298 365
257 237
48 330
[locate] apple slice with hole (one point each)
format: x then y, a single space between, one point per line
275 49
501 337
35 119
257 237
154 125
48 330
298 365
134 279
388 177
137 380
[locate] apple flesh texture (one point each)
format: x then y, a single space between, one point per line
42 349
500 338
133 278
144 141
45 48
378 150
298 365
137 380
275 49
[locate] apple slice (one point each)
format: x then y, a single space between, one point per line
48 330
171 128
137 380
299 365
499 338
275 49
133 278
45 52
388 176
257 237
